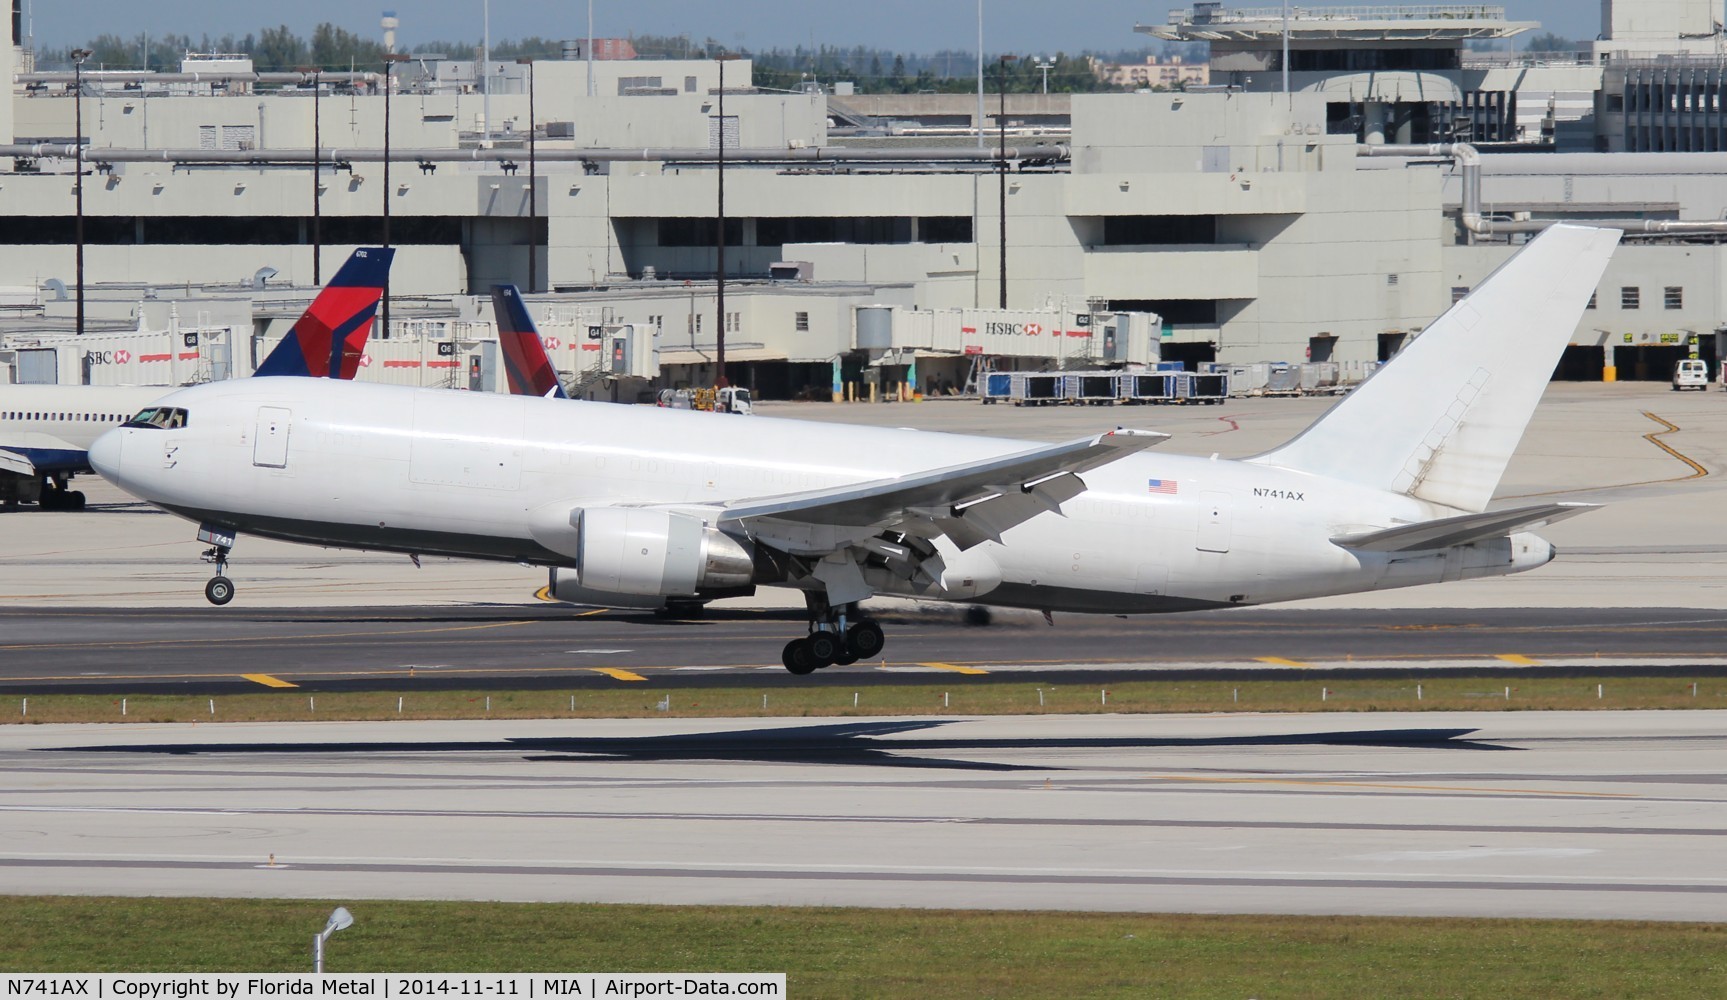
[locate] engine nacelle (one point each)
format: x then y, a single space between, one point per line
647 552
566 585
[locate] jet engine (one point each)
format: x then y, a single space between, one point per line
647 552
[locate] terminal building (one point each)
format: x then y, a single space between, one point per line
1257 225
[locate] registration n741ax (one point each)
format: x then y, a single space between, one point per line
641 506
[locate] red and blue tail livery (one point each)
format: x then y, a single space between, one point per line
329 339
526 365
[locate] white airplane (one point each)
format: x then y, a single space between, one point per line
46 430
640 506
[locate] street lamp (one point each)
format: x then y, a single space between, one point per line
340 919
1001 170
78 57
533 179
720 237
317 169
390 61
1045 64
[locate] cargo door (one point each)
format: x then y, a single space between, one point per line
270 446
1213 523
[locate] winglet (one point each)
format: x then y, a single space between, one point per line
329 338
526 364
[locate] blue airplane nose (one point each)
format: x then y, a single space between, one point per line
105 454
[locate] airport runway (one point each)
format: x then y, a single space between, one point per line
1599 814
546 645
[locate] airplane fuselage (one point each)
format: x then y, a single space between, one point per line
453 473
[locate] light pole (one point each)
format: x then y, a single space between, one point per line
340 919
720 237
533 179
1001 170
980 74
1045 64
78 57
485 71
390 61
317 178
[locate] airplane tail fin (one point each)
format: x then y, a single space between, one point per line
329 338
526 364
1440 421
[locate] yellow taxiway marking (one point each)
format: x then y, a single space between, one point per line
590 614
268 681
1519 659
1386 785
1654 438
544 594
618 673
1698 470
1278 661
955 667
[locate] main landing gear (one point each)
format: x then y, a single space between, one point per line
220 589
837 635
56 496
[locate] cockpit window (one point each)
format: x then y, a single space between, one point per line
159 418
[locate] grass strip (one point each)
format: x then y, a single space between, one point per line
958 695
888 953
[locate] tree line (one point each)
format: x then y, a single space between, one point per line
872 70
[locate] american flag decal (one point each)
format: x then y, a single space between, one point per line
1161 486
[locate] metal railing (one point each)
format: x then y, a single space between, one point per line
1206 14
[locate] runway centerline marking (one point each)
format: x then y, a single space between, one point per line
1278 661
1386 785
954 667
618 673
268 681
1518 659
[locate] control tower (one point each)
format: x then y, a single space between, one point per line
1389 73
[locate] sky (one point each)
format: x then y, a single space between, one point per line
913 26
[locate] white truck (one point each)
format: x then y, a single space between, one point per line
1691 373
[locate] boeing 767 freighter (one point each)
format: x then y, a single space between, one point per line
641 506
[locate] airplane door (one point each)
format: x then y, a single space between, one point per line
1213 523
270 446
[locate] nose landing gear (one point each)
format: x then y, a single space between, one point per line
220 589
837 636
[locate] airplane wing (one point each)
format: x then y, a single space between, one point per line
1449 531
11 461
968 503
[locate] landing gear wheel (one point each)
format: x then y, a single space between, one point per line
219 591
824 647
797 657
865 640
75 500
844 660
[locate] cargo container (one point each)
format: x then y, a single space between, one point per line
1147 387
1202 387
1095 388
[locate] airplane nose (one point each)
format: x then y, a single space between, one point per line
105 454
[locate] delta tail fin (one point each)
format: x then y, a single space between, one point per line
1440 421
526 364
329 338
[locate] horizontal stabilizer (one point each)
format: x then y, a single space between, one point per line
1462 530
970 502
11 461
